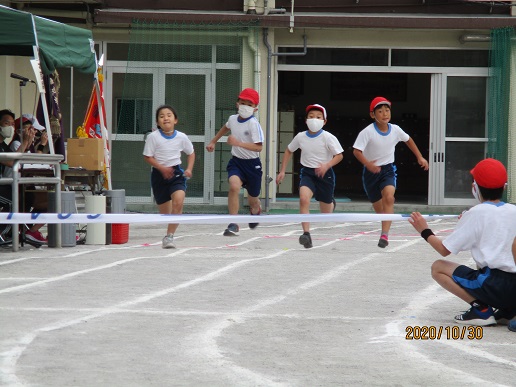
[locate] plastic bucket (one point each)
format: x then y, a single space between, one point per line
119 233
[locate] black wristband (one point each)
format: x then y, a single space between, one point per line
426 233
41 147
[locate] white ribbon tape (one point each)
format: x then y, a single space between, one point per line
23 218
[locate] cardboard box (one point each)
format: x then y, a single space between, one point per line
87 153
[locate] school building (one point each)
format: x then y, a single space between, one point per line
447 67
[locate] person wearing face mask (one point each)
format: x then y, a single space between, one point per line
245 167
320 152
488 231
7 125
6 131
374 148
7 122
31 128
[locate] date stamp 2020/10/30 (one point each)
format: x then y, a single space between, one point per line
453 332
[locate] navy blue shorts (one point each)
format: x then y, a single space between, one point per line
249 171
492 287
323 188
374 183
164 188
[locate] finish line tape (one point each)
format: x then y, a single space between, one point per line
28 218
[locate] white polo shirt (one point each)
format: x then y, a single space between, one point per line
488 230
249 131
379 146
167 149
316 149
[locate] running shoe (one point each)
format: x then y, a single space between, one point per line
476 317
254 225
232 230
306 240
383 242
35 236
512 325
168 242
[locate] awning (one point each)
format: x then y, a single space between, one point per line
60 45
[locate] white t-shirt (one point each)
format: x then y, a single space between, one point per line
315 149
167 149
488 230
15 145
249 131
379 146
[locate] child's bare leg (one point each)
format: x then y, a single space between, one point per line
442 272
176 207
305 195
326 208
378 208
254 204
166 209
235 184
387 206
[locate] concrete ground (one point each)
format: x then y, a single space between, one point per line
253 310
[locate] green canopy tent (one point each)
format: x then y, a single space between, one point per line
50 44
59 45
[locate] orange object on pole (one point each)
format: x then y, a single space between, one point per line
92 124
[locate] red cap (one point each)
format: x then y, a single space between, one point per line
316 106
490 173
250 95
24 121
379 101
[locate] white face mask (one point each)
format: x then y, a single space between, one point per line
245 111
476 192
314 124
6 131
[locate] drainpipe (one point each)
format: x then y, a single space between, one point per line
253 46
270 54
292 17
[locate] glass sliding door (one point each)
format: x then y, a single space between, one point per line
189 92
131 118
459 136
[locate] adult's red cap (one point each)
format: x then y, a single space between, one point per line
250 95
378 101
490 173
316 106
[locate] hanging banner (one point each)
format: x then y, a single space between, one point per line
94 125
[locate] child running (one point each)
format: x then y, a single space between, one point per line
162 151
320 152
374 148
244 168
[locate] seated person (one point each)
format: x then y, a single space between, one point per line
40 140
6 130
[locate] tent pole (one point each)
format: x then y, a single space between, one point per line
42 93
107 155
